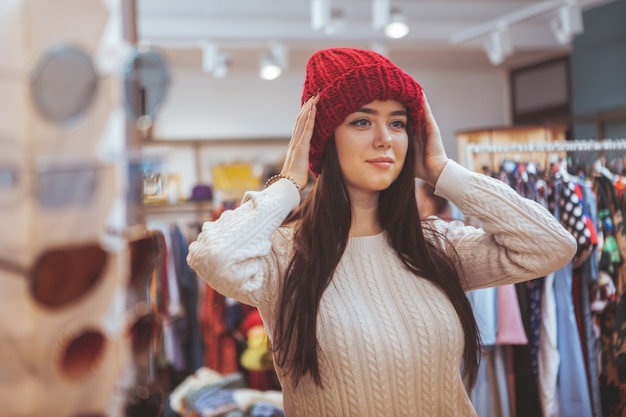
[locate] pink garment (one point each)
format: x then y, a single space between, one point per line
510 326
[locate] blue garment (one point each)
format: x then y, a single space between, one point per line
483 394
573 387
263 409
588 275
484 305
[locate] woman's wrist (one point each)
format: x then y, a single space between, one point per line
438 170
271 180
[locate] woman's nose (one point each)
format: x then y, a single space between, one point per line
383 138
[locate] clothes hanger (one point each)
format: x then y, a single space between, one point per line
600 169
563 172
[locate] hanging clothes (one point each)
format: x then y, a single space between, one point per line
534 291
554 360
592 292
484 394
189 329
572 387
511 331
220 347
613 318
528 183
549 358
585 277
527 399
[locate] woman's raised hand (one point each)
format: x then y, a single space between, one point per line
296 164
431 155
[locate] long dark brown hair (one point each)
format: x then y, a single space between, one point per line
322 223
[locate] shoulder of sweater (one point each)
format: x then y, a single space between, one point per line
282 239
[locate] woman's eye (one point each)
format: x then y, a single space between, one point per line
360 122
398 124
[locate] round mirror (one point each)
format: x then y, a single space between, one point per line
64 83
146 80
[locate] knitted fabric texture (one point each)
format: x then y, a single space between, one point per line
347 79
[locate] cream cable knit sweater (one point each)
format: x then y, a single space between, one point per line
391 343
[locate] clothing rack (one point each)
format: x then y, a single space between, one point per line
472 149
589 375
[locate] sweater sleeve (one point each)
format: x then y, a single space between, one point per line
233 254
519 239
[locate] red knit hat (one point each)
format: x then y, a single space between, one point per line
348 78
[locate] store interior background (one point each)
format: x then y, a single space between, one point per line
207 121
241 118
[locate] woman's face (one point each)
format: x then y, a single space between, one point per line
372 145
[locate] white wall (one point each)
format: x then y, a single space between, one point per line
241 106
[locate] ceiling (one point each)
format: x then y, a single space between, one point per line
442 28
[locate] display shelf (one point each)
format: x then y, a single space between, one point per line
513 135
192 161
182 212
182 206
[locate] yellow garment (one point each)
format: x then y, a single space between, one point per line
257 356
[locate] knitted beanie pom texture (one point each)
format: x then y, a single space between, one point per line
348 78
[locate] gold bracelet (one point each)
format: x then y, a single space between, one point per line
271 180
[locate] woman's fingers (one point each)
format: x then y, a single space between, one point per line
296 163
306 120
300 121
431 156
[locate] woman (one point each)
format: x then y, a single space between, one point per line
364 308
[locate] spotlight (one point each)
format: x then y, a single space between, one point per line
568 23
269 68
397 27
380 14
321 14
326 18
499 45
221 69
214 61
337 22
271 65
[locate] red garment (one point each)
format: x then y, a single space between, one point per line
263 381
592 230
220 347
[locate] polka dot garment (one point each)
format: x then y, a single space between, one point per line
570 211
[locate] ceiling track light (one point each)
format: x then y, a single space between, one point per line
565 25
214 62
326 18
321 14
381 13
269 68
389 20
568 23
337 21
397 27
272 64
499 45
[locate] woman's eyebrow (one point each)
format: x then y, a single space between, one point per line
372 111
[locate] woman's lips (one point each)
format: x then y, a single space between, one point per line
381 162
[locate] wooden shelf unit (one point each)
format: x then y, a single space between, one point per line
526 135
